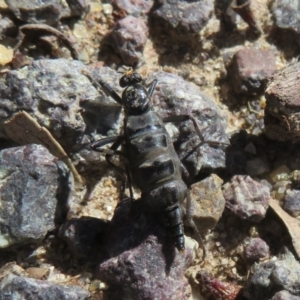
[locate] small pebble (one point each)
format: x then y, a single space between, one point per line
6 55
291 202
246 198
250 70
256 250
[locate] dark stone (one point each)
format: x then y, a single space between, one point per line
273 276
130 36
7 27
190 16
83 236
144 263
250 70
134 7
175 96
78 7
246 198
256 250
16 287
291 202
257 166
34 193
284 295
46 11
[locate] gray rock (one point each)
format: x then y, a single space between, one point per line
284 295
208 202
292 202
246 198
274 275
16 287
34 192
62 99
143 265
250 70
134 7
185 15
175 96
256 250
129 37
83 236
286 14
46 11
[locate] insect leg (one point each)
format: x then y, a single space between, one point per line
152 87
103 85
182 118
109 153
102 142
192 224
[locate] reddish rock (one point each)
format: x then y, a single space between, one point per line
130 37
256 249
134 7
246 198
250 70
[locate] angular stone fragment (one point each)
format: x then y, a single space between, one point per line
283 103
83 235
134 7
256 250
16 287
286 15
250 70
274 275
208 202
292 202
189 16
7 27
246 198
130 37
144 263
34 192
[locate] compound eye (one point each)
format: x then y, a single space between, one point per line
124 81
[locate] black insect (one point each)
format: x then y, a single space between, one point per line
153 164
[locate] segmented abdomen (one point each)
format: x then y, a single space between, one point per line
156 170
